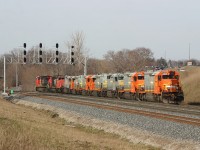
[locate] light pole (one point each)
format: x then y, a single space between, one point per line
4 87
16 76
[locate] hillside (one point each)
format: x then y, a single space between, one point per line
190 79
26 128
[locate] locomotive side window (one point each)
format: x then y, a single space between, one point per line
116 79
159 78
135 78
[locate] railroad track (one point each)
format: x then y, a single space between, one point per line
119 108
183 109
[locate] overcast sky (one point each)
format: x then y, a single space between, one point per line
161 25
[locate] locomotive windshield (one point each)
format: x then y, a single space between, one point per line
140 77
120 78
168 76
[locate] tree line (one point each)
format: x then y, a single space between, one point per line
125 60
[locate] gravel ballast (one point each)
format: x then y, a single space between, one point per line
173 135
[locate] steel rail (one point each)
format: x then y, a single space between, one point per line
168 117
163 107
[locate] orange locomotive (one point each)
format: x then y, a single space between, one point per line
134 85
164 85
49 83
42 83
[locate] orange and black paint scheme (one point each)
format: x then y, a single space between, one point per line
167 86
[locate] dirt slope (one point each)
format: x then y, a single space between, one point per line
190 79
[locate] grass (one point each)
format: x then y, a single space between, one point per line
25 128
190 80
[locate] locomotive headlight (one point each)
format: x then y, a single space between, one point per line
171 86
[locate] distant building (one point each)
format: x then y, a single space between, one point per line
189 63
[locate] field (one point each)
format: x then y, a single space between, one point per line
190 79
25 128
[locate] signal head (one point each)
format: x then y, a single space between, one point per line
72 60
40 45
56 59
57 45
24 59
40 52
57 53
40 60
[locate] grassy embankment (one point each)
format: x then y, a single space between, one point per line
190 79
26 128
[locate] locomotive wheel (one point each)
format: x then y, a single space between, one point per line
113 94
99 93
132 96
141 97
160 98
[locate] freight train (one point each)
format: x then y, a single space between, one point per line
161 85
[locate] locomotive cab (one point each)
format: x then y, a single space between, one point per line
42 83
167 85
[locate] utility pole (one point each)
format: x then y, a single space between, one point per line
189 51
4 83
85 66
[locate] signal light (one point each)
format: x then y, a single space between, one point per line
24 52
56 59
72 60
40 45
57 52
40 60
40 52
72 55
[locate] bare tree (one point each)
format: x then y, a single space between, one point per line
78 41
129 60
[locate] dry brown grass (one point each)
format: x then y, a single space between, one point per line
190 80
25 128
